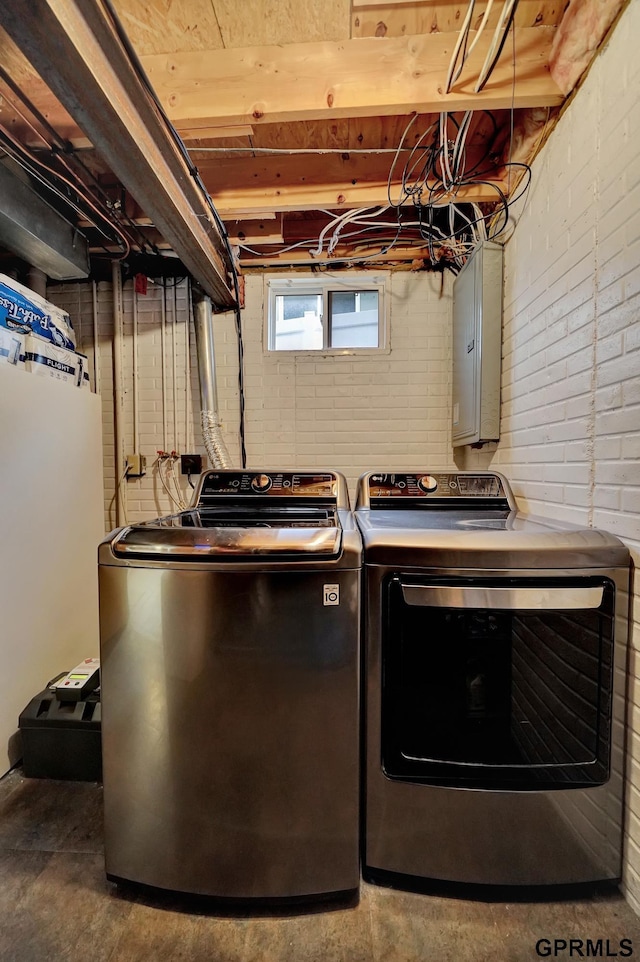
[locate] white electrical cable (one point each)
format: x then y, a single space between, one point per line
483 23
116 496
453 74
409 168
397 154
317 251
464 32
501 27
353 218
158 465
172 478
460 143
447 179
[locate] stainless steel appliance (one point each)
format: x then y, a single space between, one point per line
495 674
230 673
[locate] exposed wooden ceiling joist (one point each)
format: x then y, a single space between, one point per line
343 254
339 75
248 185
81 59
365 77
354 78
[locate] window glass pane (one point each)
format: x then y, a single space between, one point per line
343 302
297 325
368 300
353 318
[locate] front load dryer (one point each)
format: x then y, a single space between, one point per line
495 660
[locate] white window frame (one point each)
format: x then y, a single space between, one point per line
323 284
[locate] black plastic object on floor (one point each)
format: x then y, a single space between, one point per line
61 739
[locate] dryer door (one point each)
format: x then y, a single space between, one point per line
498 683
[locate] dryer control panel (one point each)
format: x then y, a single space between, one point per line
449 486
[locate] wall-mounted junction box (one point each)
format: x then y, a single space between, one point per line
136 465
477 344
190 463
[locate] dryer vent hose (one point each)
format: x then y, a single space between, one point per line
211 429
213 442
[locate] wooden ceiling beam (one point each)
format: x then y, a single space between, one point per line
364 77
81 58
204 91
190 134
310 182
358 4
255 232
370 252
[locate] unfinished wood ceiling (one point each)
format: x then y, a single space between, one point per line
293 111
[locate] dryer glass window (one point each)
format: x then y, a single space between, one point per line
481 689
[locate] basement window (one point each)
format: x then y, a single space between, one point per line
335 313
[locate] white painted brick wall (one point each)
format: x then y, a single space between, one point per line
350 413
570 424
167 400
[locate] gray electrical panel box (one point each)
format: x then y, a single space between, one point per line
477 344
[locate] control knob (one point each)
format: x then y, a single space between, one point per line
261 482
427 483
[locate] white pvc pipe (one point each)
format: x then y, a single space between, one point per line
118 420
163 360
96 358
174 372
188 431
136 403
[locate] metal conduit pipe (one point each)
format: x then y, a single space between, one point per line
211 430
37 281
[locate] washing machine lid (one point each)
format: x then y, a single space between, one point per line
224 542
244 515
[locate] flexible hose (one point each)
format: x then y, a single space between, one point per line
213 442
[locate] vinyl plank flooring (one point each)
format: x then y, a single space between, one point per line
67 912
408 927
600 917
153 933
338 935
56 816
9 783
52 878
18 872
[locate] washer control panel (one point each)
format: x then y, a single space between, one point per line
449 485
290 484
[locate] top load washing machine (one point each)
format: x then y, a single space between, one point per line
230 674
495 674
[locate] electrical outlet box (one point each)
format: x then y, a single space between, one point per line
190 463
136 465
